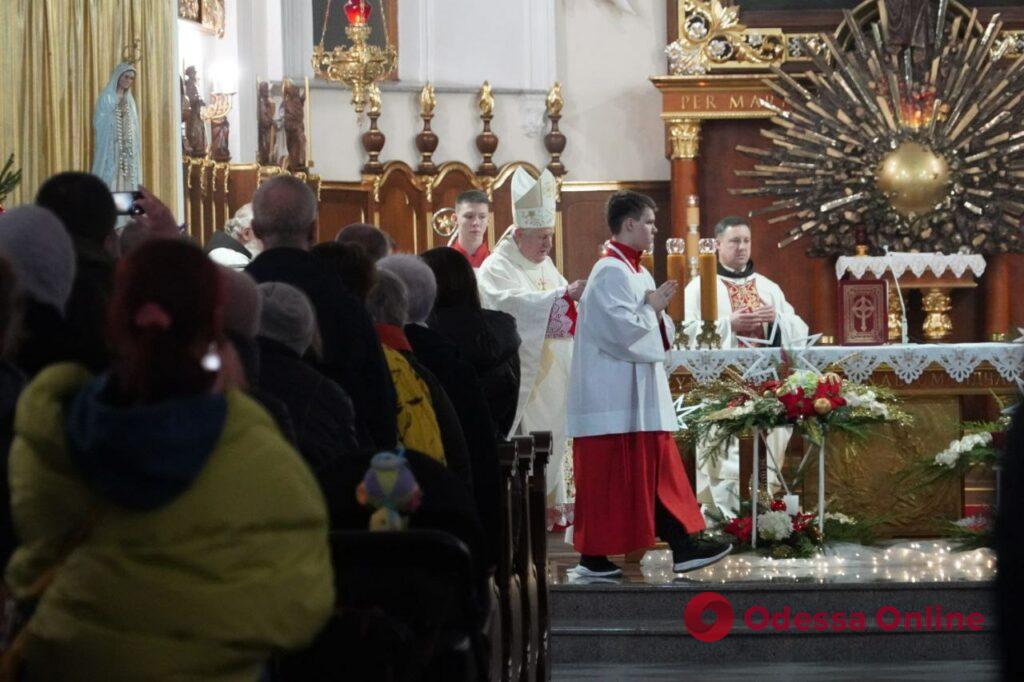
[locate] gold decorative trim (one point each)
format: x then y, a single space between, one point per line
711 36
614 186
684 135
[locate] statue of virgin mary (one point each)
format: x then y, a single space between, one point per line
118 158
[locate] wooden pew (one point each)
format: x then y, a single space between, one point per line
509 584
524 565
539 539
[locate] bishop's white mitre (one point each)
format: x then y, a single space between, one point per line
533 201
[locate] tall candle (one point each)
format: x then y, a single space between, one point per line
676 269
647 260
707 270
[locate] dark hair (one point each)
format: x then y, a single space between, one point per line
456 283
472 196
625 204
350 261
160 359
730 221
10 308
82 202
375 242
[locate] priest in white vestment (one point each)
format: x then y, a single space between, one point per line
751 306
520 279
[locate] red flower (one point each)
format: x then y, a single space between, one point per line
830 391
739 528
802 521
770 385
778 505
737 401
797 404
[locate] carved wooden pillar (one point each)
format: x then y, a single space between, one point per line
554 141
426 140
373 139
997 298
486 141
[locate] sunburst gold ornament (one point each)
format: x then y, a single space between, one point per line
914 178
923 146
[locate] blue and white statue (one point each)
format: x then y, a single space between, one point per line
118 156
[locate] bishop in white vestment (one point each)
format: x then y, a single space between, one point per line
752 306
520 279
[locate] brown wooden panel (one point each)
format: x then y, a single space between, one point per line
342 204
401 208
583 207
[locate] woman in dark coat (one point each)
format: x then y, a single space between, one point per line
487 338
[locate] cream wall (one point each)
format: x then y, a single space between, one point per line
602 55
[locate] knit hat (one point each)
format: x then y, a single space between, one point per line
41 253
288 316
242 303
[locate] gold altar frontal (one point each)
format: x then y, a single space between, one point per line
872 479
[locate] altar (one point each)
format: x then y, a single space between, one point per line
939 385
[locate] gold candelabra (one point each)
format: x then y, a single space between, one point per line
360 66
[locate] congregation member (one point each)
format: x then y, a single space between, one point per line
12 381
242 309
418 427
349 260
520 279
284 218
456 380
487 339
199 550
375 242
751 306
236 245
43 259
630 481
86 208
472 212
320 410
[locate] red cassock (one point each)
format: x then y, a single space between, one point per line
622 473
477 259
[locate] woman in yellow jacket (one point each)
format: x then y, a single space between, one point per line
167 530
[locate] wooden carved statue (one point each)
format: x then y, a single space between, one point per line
220 131
266 125
293 102
195 129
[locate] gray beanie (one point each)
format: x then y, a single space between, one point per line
41 253
242 303
288 316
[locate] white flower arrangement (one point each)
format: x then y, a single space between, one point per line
951 455
774 525
839 517
868 400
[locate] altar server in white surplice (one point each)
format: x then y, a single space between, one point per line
519 279
749 305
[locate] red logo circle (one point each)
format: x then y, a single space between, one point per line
719 606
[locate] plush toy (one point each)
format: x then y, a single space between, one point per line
391 489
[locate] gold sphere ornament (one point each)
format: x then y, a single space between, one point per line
822 406
914 178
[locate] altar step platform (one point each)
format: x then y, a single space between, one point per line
639 620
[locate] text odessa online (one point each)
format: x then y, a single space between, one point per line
887 618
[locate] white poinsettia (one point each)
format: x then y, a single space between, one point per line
951 455
774 525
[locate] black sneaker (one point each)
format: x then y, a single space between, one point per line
699 554
592 566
